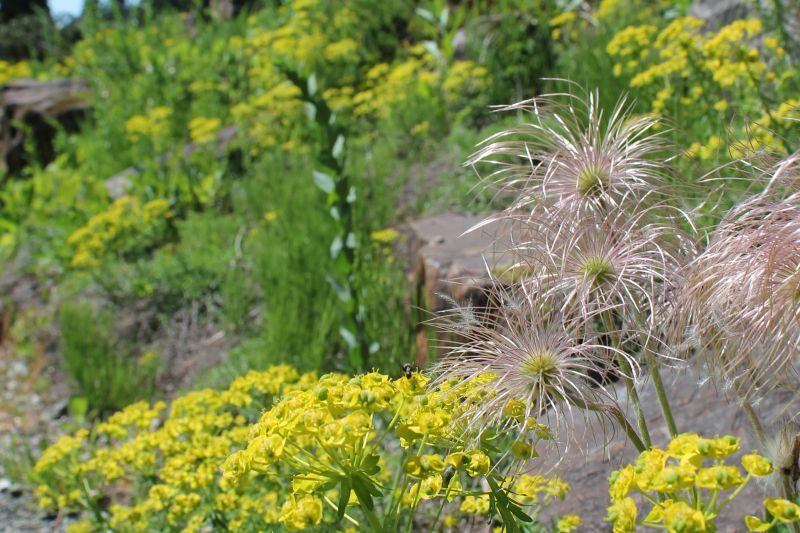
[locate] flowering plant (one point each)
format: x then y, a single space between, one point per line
368 452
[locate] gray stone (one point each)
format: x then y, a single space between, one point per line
718 13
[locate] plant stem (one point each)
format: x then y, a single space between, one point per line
663 401
372 518
747 407
627 375
618 415
441 508
633 394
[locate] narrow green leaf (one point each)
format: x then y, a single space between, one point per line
363 493
323 181
344 497
338 147
312 84
336 247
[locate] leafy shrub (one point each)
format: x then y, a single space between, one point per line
106 376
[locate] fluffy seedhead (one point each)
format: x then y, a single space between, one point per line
741 298
613 269
532 352
572 157
782 447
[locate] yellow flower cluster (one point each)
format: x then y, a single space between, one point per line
154 124
203 130
729 56
164 467
680 484
698 76
120 228
13 71
217 459
416 78
333 438
780 511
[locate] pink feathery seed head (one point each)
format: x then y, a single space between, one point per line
575 157
611 267
535 353
742 295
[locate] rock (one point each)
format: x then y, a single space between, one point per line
718 13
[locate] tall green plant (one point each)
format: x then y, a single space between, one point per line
105 375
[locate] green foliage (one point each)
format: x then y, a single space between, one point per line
104 373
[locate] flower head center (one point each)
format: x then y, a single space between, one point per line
540 363
597 270
593 180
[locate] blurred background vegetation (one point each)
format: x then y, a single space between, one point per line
242 170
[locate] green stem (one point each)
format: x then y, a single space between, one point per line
372 518
747 407
441 508
336 508
633 394
663 401
618 415
627 375
734 493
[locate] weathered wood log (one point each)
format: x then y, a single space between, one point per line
29 107
449 265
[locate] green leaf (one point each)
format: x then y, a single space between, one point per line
348 337
370 464
338 146
363 493
371 486
344 497
311 110
502 504
518 512
427 15
78 406
312 84
336 247
323 181
341 290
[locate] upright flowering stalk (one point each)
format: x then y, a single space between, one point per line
595 249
